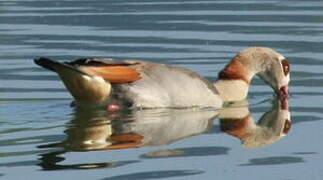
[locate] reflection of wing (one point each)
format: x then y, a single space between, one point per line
271 127
97 130
160 127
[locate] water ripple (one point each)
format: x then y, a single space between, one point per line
202 35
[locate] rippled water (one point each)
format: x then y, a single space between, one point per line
42 137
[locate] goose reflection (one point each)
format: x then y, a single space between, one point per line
272 126
101 130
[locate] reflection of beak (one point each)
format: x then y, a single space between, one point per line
283 95
284 104
283 92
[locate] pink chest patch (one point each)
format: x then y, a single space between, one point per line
113 107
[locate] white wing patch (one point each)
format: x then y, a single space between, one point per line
166 87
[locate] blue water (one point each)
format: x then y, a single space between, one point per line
42 137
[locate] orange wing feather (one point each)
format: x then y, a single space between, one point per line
113 73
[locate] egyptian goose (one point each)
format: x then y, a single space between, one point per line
142 84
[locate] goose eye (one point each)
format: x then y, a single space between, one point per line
287 126
286 67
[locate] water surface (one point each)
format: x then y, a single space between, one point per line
41 136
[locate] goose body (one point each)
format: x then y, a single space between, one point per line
144 84
163 85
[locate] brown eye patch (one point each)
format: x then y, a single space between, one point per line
286 67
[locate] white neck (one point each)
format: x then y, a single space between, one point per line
232 90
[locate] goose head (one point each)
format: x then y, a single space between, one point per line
269 65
